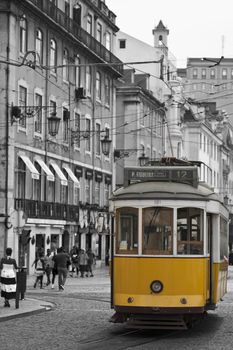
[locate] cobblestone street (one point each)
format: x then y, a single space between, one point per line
80 320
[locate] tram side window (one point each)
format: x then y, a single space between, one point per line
157 230
190 231
127 231
223 239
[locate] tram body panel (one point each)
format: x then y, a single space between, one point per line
181 278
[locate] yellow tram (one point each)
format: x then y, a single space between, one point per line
170 247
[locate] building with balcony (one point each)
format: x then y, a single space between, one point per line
57 65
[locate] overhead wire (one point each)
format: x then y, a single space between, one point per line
74 65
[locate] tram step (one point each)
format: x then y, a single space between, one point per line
172 322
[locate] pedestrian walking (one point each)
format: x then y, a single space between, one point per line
90 262
62 261
74 260
39 270
8 269
48 263
54 272
83 262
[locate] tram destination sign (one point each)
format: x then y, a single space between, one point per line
187 175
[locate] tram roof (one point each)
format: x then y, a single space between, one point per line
164 190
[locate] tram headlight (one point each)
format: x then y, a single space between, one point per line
156 286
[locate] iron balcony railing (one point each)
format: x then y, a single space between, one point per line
47 210
84 37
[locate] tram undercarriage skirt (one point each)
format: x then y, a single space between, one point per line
161 321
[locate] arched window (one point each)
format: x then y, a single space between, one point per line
108 41
88 79
53 55
97 139
160 40
38 115
88 132
77 14
98 86
77 72
23 34
99 32
89 24
107 91
39 44
65 65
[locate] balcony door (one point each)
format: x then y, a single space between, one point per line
21 178
77 12
37 184
51 187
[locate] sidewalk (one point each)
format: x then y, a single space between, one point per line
30 305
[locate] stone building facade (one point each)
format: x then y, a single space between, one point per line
56 62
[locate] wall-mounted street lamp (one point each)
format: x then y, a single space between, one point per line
53 124
106 144
19 112
143 159
121 153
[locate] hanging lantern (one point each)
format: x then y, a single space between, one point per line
106 143
53 124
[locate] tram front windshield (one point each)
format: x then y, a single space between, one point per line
158 232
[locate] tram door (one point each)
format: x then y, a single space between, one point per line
210 252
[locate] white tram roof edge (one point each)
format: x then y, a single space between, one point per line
164 190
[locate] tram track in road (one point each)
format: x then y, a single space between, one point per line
114 339
70 296
122 340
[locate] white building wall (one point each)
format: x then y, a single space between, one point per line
138 51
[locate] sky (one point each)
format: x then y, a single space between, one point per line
199 28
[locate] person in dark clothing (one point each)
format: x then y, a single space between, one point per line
74 260
90 262
83 262
61 260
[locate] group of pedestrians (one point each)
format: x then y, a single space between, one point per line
58 263
55 263
82 262
45 265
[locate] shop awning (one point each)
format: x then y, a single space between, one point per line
60 174
46 169
72 176
34 172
